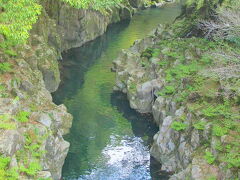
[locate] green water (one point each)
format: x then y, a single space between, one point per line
109 141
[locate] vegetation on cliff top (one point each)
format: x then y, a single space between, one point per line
203 75
200 66
18 16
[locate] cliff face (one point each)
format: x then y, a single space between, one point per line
32 126
170 78
61 27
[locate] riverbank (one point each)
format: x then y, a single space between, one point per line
32 126
108 139
197 110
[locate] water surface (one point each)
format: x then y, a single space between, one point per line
109 141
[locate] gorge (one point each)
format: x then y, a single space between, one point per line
119 89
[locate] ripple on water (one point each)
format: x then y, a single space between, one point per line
123 160
109 141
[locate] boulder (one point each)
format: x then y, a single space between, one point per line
56 152
10 142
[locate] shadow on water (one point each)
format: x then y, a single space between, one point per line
142 124
77 61
109 140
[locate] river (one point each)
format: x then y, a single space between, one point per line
109 140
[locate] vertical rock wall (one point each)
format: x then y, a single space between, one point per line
35 75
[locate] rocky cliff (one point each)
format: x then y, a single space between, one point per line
171 77
32 126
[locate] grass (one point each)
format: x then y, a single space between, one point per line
5 67
6 122
209 157
178 126
23 116
202 94
5 171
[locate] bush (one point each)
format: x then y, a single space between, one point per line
15 23
167 90
5 172
23 116
5 122
178 126
233 159
5 67
219 130
200 125
32 168
209 157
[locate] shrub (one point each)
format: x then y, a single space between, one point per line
178 126
10 52
233 159
211 110
209 157
167 90
15 23
156 53
200 125
5 172
5 122
219 130
23 116
5 67
31 169
147 53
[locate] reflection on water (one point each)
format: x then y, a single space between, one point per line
109 141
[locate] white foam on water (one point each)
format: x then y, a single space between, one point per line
124 159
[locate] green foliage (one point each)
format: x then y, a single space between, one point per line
233 159
18 16
17 19
5 122
167 90
213 4
133 87
163 63
181 71
31 169
44 179
10 52
218 110
178 126
219 130
5 67
5 172
155 52
29 157
8 126
99 5
23 116
147 53
200 125
234 39
186 84
203 3
209 157
206 59
4 161
212 178
3 92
